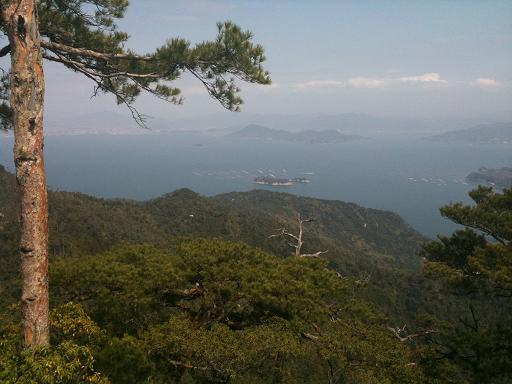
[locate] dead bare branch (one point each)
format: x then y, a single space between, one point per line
401 333
316 254
186 365
296 240
309 336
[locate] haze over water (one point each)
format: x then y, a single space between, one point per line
429 60
412 177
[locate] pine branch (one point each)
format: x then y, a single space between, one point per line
93 75
5 50
57 47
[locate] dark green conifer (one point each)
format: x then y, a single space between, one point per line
476 265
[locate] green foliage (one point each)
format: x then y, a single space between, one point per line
81 224
470 258
71 321
9 234
211 311
67 361
88 24
217 353
382 236
124 360
491 215
358 349
455 250
84 225
213 281
196 311
478 269
127 286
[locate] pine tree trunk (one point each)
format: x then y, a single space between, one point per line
27 93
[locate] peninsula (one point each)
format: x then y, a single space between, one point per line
500 177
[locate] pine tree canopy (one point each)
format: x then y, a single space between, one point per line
83 36
475 264
469 257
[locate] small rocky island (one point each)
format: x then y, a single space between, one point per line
500 177
275 181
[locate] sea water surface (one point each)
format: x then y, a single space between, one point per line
412 177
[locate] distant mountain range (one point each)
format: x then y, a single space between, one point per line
501 177
498 133
258 132
103 123
121 123
349 123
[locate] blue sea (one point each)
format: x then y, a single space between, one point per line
412 177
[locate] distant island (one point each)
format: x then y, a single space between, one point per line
498 133
275 181
268 180
259 132
501 177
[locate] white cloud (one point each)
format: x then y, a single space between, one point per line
484 82
365 82
320 84
431 77
373 82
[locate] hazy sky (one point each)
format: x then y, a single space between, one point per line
392 58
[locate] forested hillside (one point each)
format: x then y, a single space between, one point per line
138 308
166 291
372 245
346 226
255 287
208 311
84 224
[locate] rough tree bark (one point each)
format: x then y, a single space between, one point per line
26 99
